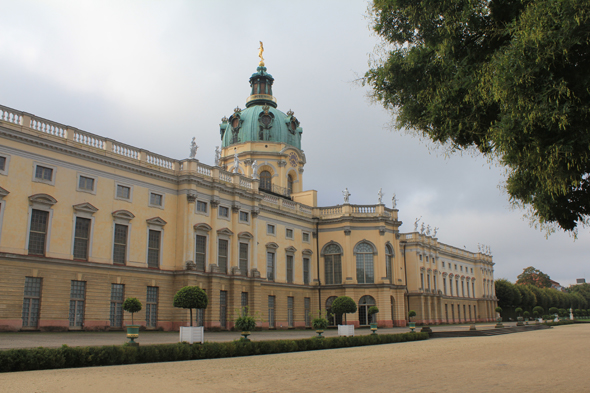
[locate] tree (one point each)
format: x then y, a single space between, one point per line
528 297
582 289
504 292
343 305
190 297
535 277
507 78
132 305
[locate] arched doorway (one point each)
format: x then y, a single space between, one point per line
364 304
333 320
265 181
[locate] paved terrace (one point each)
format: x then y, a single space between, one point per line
75 339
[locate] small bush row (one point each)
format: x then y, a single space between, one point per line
71 357
558 323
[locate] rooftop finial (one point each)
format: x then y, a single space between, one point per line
260 51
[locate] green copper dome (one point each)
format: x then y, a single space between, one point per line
260 120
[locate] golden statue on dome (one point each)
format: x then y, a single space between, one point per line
260 50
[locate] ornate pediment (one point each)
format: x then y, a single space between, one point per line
123 215
44 199
202 227
3 192
156 221
85 208
291 249
272 245
224 231
245 235
307 251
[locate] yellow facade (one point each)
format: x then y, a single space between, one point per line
85 221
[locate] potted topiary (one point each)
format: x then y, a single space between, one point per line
499 319
191 297
344 305
372 311
412 314
537 312
553 311
246 323
319 324
132 305
526 315
519 319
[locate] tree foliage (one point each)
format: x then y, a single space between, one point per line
190 297
506 77
535 277
132 305
343 305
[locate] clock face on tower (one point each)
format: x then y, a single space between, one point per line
293 159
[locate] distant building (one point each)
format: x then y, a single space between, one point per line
86 221
580 281
556 285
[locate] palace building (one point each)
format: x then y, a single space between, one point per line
87 221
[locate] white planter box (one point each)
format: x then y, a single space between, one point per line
192 334
346 330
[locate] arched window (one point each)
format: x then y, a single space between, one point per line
364 263
265 182
289 184
364 304
389 263
333 264
333 320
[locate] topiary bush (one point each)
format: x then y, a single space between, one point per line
190 297
132 305
411 314
343 305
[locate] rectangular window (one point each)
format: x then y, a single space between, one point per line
461 267
420 256
81 238
38 232
443 264
428 280
271 311
455 266
244 217
445 285
200 317
244 303
244 259
451 285
426 258
468 291
270 229
86 183
306 237
462 288
123 192
223 211
31 301
154 248
459 312
44 173
290 269
222 255
77 298
421 280
457 285
473 288
201 252
117 297
306 271
307 308
289 233
155 199
2 163
223 309
120 244
151 307
202 207
270 266
290 301
471 270
333 268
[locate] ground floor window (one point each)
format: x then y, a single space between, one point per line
31 301
117 297
290 302
151 307
271 311
200 317
447 312
77 296
307 308
364 304
223 309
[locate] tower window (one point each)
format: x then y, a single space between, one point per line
290 184
265 182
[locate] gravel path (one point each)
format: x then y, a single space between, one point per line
539 361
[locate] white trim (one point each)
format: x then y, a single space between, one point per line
150 192
6 164
93 191
53 173
117 184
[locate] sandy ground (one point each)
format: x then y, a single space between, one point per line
551 360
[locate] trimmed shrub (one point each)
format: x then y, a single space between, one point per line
343 305
190 297
72 357
132 305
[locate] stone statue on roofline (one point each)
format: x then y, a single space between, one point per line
428 230
380 197
393 201
346 195
217 155
255 170
194 148
236 164
422 228
416 224
435 230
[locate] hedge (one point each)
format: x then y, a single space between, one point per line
72 357
563 322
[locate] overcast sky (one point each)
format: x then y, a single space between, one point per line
154 74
